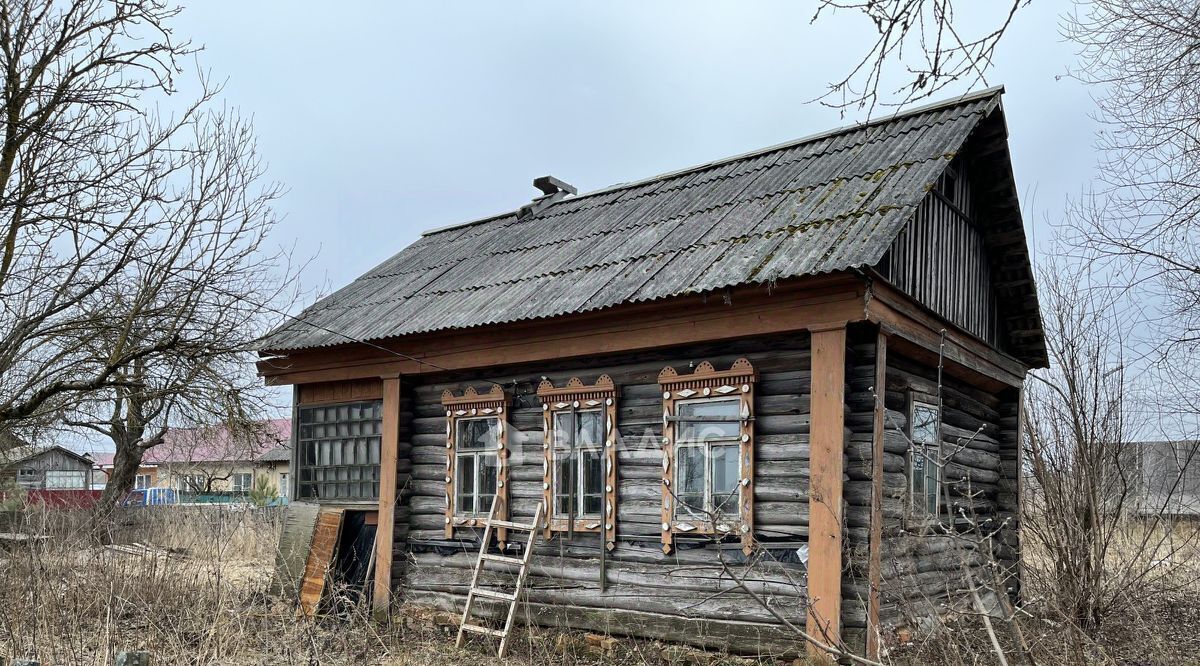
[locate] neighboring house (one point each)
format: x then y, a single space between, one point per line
47 468
146 475
275 465
210 462
1165 477
765 358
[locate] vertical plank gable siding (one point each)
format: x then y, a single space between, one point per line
940 259
684 596
923 571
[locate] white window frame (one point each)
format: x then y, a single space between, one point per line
931 454
192 483
141 482
685 512
489 449
61 474
578 471
236 482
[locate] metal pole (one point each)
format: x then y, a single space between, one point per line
603 554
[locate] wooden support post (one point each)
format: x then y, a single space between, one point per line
875 540
827 442
382 596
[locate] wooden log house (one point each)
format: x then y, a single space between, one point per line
792 368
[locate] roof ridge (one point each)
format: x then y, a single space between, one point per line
966 98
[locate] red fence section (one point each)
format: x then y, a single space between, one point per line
73 499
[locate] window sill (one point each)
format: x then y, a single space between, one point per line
584 524
724 527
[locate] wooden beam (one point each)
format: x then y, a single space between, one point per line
875 539
827 447
750 311
382 596
899 314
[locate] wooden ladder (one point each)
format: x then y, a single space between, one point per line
487 593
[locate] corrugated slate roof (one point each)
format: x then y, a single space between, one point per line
277 454
830 202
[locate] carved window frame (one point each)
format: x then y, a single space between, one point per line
707 382
471 404
579 396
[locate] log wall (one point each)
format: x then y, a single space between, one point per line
856 491
924 568
685 596
689 595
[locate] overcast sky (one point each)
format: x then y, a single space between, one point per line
386 119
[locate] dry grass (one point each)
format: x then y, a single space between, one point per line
194 592
1157 617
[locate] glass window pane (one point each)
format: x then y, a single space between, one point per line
924 424
565 481
593 471
725 478
593 505
465 484
699 430
488 471
590 428
477 434
917 470
689 475
562 429
931 481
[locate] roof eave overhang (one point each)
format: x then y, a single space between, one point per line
795 305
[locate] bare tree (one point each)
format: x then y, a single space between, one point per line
920 48
1143 59
132 269
1086 511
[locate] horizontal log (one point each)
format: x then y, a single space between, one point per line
759 639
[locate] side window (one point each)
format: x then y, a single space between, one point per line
28 477
141 482
924 457
338 455
580 466
476 458
708 453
